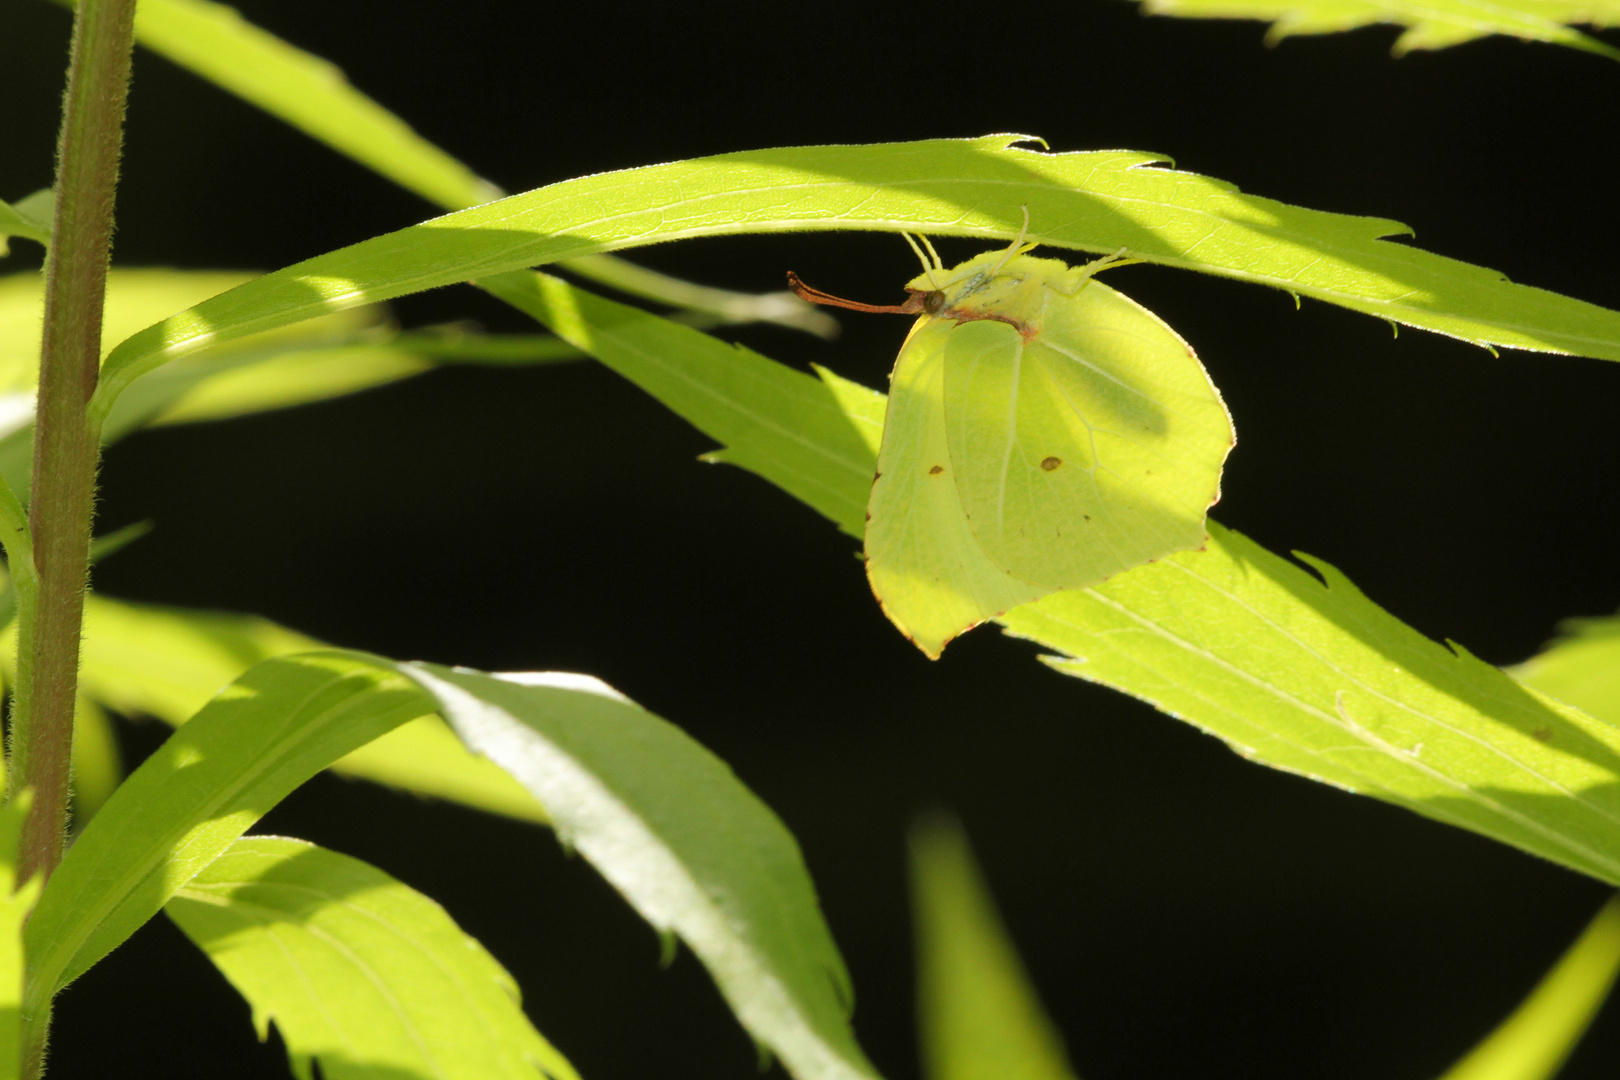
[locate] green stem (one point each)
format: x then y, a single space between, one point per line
65 446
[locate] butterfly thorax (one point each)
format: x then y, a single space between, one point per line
992 286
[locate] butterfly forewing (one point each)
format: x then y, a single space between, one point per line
1084 445
928 571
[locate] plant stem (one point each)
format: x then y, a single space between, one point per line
65 444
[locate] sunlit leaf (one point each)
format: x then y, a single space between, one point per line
1582 667
1533 1043
664 820
97 765
1298 672
146 660
358 972
15 904
17 221
978 1015
1104 201
338 354
311 94
693 850
1431 24
277 726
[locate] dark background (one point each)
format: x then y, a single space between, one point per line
1183 913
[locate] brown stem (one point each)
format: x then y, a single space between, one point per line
65 447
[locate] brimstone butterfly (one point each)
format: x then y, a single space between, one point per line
1043 432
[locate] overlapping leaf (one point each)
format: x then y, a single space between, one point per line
978 1015
692 849
21 220
1300 673
312 95
658 815
1099 201
1533 1043
1432 24
358 972
1581 668
145 660
16 900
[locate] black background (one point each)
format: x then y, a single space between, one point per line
1183 913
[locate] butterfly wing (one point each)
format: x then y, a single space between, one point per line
1091 447
927 570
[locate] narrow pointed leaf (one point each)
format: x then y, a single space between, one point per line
307 92
1533 1043
97 766
340 354
691 848
1099 201
311 94
145 660
1432 24
766 415
15 903
663 819
358 972
277 726
1298 672
1581 668
978 1015
15 222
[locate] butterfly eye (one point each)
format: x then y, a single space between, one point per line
933 302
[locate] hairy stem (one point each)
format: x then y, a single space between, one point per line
65 445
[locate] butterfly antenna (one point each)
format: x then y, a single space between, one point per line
1014 248
928 268
939 264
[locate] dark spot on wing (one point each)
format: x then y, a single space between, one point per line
936 470
1051 463
1086 516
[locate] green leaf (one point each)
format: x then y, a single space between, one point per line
275 727
307 92
1309 677
19 219
664 820
819 440
693 850
1533 1043
1582 668
97 765
145 660
1104 201
325 358
15 903
978 1015
311 94
359 972
1432 24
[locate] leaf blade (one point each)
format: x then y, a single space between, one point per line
1432 24
284 721
1103 201
1533 1042
978 1015
1502 760
357 970
691 849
